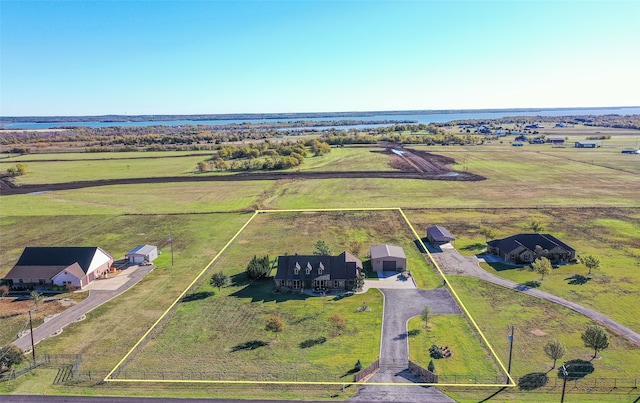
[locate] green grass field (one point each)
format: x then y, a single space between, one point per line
586 198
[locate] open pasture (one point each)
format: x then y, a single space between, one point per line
233 336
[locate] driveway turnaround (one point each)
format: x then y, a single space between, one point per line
100 291
452 262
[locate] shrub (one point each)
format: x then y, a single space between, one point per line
431 367
358 366
435 352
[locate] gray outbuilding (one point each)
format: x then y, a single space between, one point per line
388 258
438 234
142 253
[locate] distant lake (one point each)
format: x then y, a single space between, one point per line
418 118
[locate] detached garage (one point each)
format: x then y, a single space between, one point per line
388 258
142 253
438 234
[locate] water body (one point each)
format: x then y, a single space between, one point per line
418 118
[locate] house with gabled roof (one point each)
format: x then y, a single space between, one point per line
43 267
142 254
525 248
318 272
388 258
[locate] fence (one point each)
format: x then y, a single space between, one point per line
45 360
370 370
424 374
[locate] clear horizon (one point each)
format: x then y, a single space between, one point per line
131 58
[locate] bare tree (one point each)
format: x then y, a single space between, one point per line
36 297
275 325
425 314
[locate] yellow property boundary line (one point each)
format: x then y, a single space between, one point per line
109 378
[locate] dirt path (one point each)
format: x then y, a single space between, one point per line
100 292
452 262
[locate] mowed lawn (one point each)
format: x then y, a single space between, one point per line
613 235
233 340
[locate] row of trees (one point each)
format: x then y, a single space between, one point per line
594 337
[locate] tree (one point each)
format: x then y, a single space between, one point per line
320 148
541 266
595 337
591 262
355 246
219 280
321 249
202 166
360 281
337 321
10 355
555 350
258 267
535 226
275 325
431 367
36 297
426 312
4 290
18 170
487 232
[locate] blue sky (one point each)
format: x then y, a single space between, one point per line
181 57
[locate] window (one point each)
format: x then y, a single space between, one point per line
296 283
336 283
296 269
309 268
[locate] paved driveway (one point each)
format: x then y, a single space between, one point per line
452 262
100 291
400 305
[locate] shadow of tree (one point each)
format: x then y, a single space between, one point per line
249 345
197 296
576 369
533 381
578 279
313 342
401 336
475 246
414 332
527 285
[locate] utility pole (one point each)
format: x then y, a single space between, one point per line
33 346
565 375
510 349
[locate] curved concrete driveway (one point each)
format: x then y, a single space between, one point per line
100 291
452 262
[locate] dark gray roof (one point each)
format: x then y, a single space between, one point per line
342 267
58 256
529 241
440 233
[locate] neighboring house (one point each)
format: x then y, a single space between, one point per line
333 273
630 151
525 248
586 144
438 234
142 253
43 267
388 258
555 140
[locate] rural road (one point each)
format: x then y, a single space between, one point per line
100 291
401 304
452 262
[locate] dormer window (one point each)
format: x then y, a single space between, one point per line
320 268
296 269
309 268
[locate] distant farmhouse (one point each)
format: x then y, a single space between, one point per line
326 273
586 144
43 267
388 258
142 253
555 140
525 248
